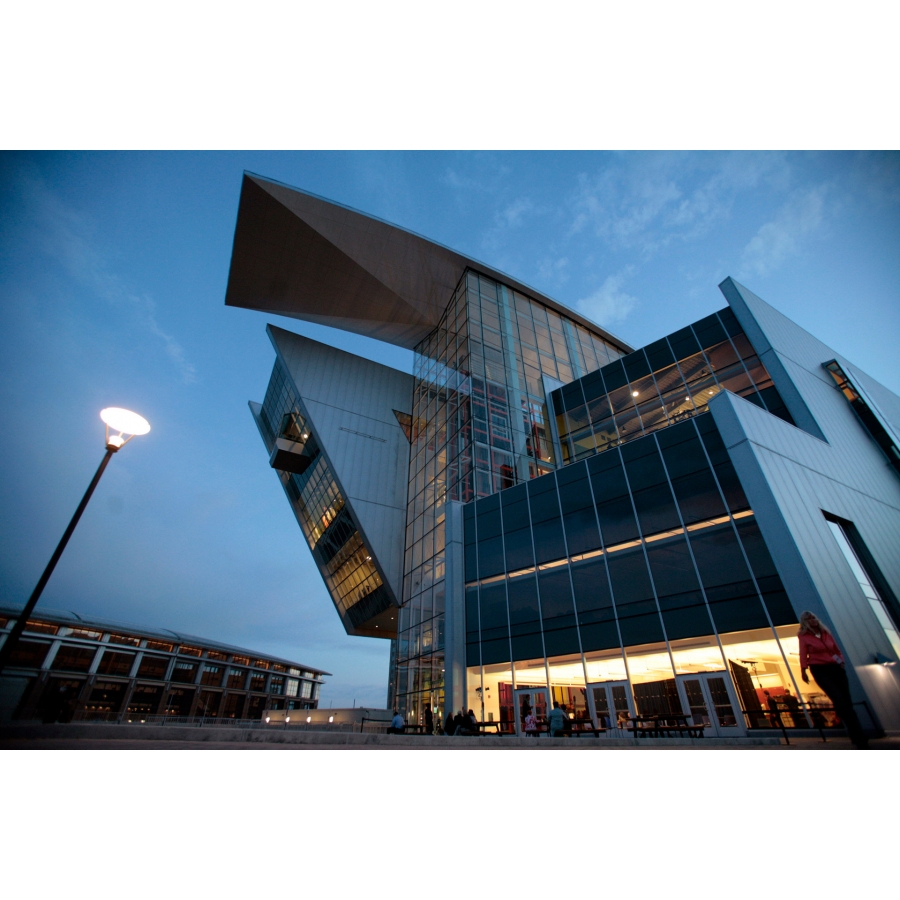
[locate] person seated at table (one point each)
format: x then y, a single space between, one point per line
397 724
557 720
469 724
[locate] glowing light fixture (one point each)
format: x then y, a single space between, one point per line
126 423
331 718
268 719
634 393
308 719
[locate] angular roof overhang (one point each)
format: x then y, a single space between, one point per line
299 255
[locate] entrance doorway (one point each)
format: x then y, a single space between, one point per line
531 701
611 706
710 699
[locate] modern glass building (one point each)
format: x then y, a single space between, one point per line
543 512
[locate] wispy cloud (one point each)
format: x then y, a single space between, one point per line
65 235
642 202
783 236
515 212
609 304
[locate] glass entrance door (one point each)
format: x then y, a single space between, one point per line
532 705
709 698
611 706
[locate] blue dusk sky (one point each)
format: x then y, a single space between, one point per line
112 283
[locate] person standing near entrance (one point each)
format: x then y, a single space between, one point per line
429 719
820 654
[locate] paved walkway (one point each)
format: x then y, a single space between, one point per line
138 737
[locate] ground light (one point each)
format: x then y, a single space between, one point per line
128 424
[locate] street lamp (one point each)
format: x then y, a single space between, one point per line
118 420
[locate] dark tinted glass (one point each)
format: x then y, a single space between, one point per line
471 616
683 343
557 609
776 600
709 331
574 488
593 386
591 590
581 531
736 607
469 523
718 556
29 654
527 646
549 543
672 567
599 636
153 667
115 663
729 321
685 616
636 365
698 497
659 355
617 522
496 651
471 562
488 511
572 396
73 659
643 464
494 623
656 509
607 476
755 548
523 604
561 641
490 557
681 449
543 499
519 554
630 581
614 376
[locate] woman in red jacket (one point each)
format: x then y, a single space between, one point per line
820 654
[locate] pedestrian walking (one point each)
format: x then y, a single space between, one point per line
820 654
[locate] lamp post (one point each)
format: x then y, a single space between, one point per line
126 423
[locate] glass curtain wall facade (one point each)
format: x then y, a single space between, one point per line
619 583
479 425
346 564
665 382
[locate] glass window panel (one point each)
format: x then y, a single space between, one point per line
115 663
617 522
490 557
557 608
652 680
73 658
492 607
549 543
582 534
29 654
760 674
519 553
698 497
656 509
153 667
523 601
